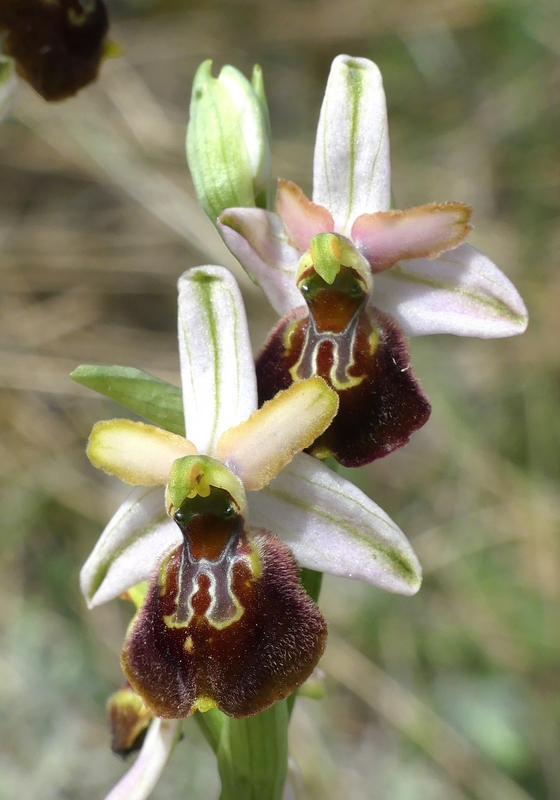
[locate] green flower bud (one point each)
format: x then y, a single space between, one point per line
129 718
228 140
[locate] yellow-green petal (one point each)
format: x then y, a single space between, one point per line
139 454
257 449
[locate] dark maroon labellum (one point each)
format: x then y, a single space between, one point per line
57 44
362 355
225 622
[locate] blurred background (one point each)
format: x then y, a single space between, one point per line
452 694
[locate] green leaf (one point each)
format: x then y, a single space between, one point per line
253 754
150 397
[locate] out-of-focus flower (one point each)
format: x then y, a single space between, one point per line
413 272
57 45
8 83
228 140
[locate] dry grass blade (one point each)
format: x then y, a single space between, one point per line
76 133
418 722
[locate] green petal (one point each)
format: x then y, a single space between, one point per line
137 453
150 397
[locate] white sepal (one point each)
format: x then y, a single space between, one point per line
217 370
134 541
351 168
333 527
461 292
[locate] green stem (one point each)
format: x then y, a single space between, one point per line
311 582
252 753
211 723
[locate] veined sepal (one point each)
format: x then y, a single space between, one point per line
351 169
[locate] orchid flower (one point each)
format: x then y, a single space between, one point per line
225 622
351 276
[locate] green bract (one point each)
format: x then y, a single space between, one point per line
228 147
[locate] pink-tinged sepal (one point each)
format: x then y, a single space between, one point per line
302 219
259 241
226 623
